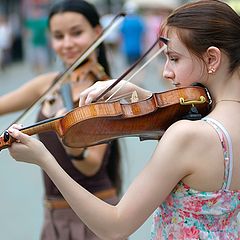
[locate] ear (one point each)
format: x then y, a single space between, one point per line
98 29
213 58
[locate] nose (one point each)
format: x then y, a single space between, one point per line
168 74
67 42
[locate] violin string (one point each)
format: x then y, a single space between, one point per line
119 97
140 69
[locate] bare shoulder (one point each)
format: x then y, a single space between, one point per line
185 140
185 132
176 155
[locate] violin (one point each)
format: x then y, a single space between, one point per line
67 95
102 122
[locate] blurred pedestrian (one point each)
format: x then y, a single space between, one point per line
5 42
132 34
17 37
36 27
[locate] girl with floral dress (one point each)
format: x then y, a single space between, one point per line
192 180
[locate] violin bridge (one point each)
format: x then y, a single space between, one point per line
134 98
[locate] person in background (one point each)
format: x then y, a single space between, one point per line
73 26
5 42
17 38
132 32
192 181
36 28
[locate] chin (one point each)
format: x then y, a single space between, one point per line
70 62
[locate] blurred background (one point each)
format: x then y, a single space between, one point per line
21 190
18 14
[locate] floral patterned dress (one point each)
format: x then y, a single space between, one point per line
191 214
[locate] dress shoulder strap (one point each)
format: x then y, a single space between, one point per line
227 149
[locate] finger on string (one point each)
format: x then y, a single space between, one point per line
17 126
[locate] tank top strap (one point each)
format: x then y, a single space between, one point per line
227 149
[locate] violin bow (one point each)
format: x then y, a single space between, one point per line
139 70
161 39
61 77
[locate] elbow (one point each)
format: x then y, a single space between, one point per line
116 233
118 228
113 233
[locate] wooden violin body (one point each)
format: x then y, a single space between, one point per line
102 122
67 95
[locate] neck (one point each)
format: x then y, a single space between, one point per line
226 89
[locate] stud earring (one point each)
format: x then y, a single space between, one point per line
211 70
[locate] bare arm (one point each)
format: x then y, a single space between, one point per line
24 96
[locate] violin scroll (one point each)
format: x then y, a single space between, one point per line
6 140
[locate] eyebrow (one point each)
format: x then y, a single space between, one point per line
167 52
72 28
76 26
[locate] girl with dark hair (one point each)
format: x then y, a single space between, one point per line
73 26
192 181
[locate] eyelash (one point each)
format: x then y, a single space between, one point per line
58 37
173 59
77 33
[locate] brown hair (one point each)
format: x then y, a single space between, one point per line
206 23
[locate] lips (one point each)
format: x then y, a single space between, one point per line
70 55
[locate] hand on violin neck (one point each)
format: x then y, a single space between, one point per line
28 149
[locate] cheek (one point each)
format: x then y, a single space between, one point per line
188 73
193 75
85 40
88 37
56 45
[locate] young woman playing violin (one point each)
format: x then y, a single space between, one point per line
73 26
192 181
